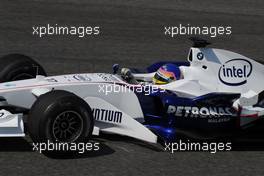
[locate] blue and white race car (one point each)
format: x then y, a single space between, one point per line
218 91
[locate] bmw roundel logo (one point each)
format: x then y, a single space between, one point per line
200 56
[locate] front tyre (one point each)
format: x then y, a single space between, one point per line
60 116
15 67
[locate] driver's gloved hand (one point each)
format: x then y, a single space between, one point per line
127 75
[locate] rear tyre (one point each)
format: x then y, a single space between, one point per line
18 67
60 117
260 102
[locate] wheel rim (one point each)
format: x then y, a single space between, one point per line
67 126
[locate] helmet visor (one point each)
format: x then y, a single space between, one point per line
160 79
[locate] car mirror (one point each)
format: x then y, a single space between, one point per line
115 68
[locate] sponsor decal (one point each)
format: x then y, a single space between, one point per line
235 72
200 56
210 113
9 85
107 77
51 80
82 77
107 115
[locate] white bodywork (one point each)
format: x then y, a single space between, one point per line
210 70
92 88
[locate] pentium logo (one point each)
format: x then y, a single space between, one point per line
107 115
235 72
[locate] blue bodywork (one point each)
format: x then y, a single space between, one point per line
166 125
154 67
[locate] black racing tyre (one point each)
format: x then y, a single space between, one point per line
60 116
260 102
18 67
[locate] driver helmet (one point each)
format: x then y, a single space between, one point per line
166 74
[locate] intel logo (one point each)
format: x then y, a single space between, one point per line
235 72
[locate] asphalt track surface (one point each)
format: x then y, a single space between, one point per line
131 34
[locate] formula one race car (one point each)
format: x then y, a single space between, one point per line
222 92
